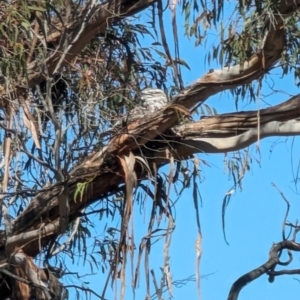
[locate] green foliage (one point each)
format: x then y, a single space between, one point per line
72 108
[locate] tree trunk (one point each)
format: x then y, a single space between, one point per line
102 174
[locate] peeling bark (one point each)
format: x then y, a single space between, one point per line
38 223
107 175
44 285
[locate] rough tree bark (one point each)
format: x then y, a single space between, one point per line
38 223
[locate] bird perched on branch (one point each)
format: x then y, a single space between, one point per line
151 100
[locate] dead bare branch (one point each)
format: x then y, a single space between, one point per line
263 269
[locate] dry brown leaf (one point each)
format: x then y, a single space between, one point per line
198 247
128 164
31 124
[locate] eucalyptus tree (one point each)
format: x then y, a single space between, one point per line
71 71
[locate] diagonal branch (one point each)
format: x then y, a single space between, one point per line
102 176
102 171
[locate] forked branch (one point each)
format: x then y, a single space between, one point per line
268 267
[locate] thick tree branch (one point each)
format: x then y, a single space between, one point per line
210 84
234 131
101 16
103 174
233 143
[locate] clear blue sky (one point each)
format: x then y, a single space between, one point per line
254 216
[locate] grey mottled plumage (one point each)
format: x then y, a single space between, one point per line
151 100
